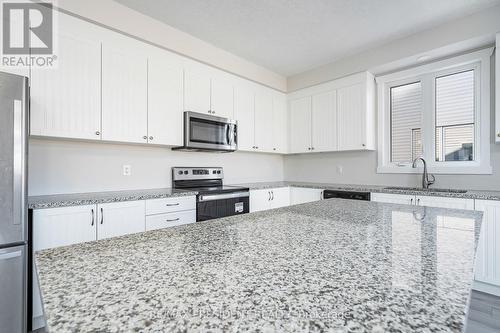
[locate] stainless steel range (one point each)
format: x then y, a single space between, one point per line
214 199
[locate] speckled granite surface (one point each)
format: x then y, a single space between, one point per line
78 199
470 194
333 265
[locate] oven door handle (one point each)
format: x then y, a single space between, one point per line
212 197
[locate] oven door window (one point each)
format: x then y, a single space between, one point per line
207 131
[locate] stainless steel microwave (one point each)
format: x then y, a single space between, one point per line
203 132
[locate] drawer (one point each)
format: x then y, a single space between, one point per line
169 205
161 221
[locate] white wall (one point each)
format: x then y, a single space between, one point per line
114 15
72 167
463 34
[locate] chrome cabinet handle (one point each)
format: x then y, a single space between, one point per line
102 216
418 202
145 137
498 134
269 197
272 193
92 217
174 204
173 220
150 138
363 145
97 133
411 201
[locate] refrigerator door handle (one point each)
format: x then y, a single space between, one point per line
18 163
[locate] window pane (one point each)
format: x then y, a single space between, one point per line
406 122
455 117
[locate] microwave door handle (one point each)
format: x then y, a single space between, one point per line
228 134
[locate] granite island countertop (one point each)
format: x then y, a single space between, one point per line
338 265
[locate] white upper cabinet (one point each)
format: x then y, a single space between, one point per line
165 99
324 122
120 218
300 125
351 118
65 100
196 88
280 123
244 113
264 120
338 115
124 90
222 97
356 113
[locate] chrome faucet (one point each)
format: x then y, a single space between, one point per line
425 176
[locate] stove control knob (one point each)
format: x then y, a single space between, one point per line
218 171
185 172
214 172
180 172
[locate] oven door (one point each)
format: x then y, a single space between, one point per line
221 205
209 132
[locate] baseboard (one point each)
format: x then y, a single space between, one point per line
486 288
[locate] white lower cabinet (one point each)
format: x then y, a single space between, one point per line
393 198
161 221
299 195
269 198
422 200
120 218
487 270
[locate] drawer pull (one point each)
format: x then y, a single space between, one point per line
173 220
174 204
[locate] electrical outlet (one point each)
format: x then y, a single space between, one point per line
339 169
127 170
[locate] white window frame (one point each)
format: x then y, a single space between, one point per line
427 74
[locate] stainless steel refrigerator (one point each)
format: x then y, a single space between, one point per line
13 210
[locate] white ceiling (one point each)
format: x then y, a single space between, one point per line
292 36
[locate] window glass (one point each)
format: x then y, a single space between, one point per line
406 122
455 117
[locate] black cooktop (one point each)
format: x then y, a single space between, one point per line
217 189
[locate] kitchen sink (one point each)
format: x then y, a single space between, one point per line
444 190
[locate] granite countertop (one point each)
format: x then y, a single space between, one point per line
470 194
92 198
336 265
76 199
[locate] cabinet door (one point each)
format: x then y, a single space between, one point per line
264 120
120 218
124 93
260 200
351 117
54 227
442 202
299 195
488 252
497 89
280 197
244 99
393 198
280 123
324 122
165 100
300 125
196 90
65 100
222 97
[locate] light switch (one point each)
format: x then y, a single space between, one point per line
127 170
